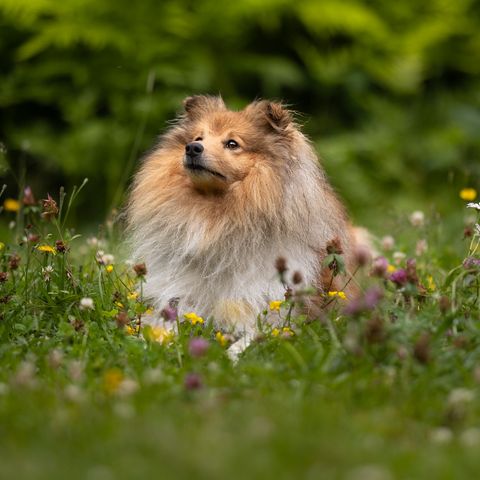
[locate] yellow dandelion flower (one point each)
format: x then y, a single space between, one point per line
391 268
47 249
221 339
275 305
132 295
193 318
149 311
468 194
287 332
431 284
109 268
275 332
131 330
161 335
119 304
337 294
112 380
11 205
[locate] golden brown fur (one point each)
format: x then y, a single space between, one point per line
212 239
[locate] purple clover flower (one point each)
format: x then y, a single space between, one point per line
399 277
198 347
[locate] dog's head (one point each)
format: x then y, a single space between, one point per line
220 147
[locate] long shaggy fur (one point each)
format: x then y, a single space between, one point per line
213 243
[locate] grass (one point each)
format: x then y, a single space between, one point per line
386 390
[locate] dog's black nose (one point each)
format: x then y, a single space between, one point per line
194 149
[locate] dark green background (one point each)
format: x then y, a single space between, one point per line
389 91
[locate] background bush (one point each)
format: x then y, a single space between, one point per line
390 91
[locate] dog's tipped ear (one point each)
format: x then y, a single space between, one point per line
196 105
275 114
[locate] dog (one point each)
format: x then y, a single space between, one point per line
221 197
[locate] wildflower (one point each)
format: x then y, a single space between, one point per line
221 339
161 335
470 437
86 303
197 347
76 323
149 311
14 261
468 194
417 218
76 370
297 278
46 249
362 255
25 376
375 330
132 295
379 267
3 277
11 205
50 208
287 332
275 305
372 297
431 284
387 243
399 277
46 272
421 349
112 380
398 257
33 237
55 358
476 206
337 294
391 268
444 303
109 268
122 319
441 435
140 269
2 246
119 304
169 313
92 241
193 318
334 247
103 258
74 393
471 263
131 330
127 387
411 270
28 198
421 247
281 265
60 246
193 381
275 332
460 396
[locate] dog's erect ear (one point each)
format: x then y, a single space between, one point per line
197 105
275 115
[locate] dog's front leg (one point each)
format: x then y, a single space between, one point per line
238 347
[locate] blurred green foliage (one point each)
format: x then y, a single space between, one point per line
390 91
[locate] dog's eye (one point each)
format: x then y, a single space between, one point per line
231 144
198 139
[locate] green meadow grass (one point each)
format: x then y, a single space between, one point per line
381 391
